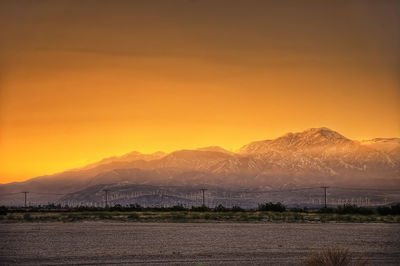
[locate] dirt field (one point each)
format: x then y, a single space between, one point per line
190 243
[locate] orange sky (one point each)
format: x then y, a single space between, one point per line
84 80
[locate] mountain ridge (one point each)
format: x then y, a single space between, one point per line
313 156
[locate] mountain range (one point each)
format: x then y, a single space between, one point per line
317 156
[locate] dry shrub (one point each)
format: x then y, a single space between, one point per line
335 256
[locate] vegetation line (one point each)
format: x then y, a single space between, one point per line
268 212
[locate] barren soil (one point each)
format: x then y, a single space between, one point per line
121 243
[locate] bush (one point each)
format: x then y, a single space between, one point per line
178 207
353 209
3 210
396 208
335 256
384 210
237 209
220 208
117 207
28 217
135 207
133 216
200 209
275 207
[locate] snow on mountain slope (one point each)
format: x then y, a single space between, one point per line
390 146
129 157
322 151
309 139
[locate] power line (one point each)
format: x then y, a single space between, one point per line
25 193
32 192
275 191
106 197
203 190
44 193
368 189
9 194
325 187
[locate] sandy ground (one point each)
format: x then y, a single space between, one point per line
114 243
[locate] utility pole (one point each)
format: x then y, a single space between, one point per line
106 198
324 187
203 190
25 192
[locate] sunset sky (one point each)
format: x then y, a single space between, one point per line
84 80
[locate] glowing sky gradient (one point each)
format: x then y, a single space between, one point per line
84 80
